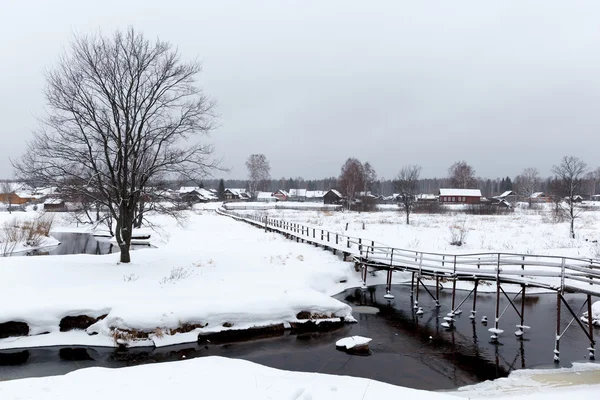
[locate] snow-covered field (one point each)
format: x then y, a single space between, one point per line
222 378
211 272
524 231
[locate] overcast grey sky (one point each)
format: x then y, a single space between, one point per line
503 85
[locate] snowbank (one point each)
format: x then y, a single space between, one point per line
212 274
595 314
353 341
216 377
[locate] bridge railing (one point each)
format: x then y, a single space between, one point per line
554 272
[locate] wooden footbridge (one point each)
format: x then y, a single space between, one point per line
553 273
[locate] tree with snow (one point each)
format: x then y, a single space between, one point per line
352 180
527 183
569 178
124 111
221 190
259 172
462 175
407 184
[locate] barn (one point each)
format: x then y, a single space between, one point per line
460 196
332 197
55 205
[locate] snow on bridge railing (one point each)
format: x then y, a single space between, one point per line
574 273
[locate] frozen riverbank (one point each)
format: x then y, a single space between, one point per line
213 274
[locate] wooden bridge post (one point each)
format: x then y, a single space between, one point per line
437 290
557 342
388 293
412 284
453 294
497 313
416 305
364 276
591 349
474 309
522 327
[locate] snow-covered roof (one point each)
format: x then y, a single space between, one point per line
45 190
54 201
12 187
297 192
338 194
538 194
264 195
236 191
461 192
505 194
283 192
426 196
315 193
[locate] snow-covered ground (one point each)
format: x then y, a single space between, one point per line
215 377
210 272
524 231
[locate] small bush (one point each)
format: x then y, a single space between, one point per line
427 207
130 278
458 234
487 209
177 274
30 232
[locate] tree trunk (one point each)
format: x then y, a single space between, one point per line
123 233
572 214
407 216
125 256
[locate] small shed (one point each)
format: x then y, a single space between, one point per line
460 196
266 197
54 205
281 195
332 197
540 197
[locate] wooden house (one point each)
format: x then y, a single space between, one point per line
333 197
459 196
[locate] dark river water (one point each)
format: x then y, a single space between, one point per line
408 350
77 243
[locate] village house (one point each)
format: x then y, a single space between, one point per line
282 195
306 195
540 197
266 197
459 196
192 195
236 194
333 197
54 205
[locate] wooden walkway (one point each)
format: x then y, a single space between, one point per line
559 274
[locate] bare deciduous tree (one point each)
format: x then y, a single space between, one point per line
259 172
527 183
407 184
462 175
352 180
370 177
569 176
122 111
6 189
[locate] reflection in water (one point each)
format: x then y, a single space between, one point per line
407 349
79 243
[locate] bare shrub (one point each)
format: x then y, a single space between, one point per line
488 209
31 233
130 278
177 274
428 207
458 234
